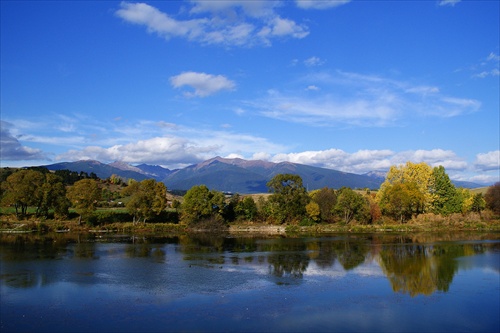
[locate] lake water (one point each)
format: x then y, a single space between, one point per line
347 283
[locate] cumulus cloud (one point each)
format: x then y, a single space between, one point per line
486 179
434 157
320 4
364 161
12 150
158 150
159 22
283 27
360 100
230 23
187 146
337 159
202 83
488 161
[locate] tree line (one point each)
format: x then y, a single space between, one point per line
408 190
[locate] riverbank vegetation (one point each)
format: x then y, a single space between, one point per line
413 197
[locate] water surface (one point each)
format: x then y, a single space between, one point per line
354 282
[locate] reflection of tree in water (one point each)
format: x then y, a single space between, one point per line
145 250
324 254
26 279
85 251
288 264
287 258
202 243
36 246
351 253
423 269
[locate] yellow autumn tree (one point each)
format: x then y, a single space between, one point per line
416 176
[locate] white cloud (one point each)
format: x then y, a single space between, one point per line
364 161
327 111
203 84
448 2
338 159
312 87
159 22
360 100
493 57
434 157
483 74
284 27
231 23
181 147
313 61
484 178
261 156
239 111
489 66
423 90
12 150
320 4
488 161
447 107
157 150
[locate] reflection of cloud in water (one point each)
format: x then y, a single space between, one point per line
368 268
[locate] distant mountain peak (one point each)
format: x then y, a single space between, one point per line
125 166
251 176
240 162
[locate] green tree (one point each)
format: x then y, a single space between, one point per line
326 200
84 196
492 198
68 177
22 189
445 197
478 203
201 204
351 205
53 196
246 209
289 199
147 199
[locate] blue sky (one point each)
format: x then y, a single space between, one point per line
354 86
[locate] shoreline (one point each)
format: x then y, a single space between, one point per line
240 229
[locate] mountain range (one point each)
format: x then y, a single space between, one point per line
232 174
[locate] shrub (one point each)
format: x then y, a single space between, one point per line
307 222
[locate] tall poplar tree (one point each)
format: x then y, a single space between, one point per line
445 197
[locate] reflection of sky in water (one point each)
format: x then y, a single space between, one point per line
160 287
489 261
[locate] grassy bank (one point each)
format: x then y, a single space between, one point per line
422 223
